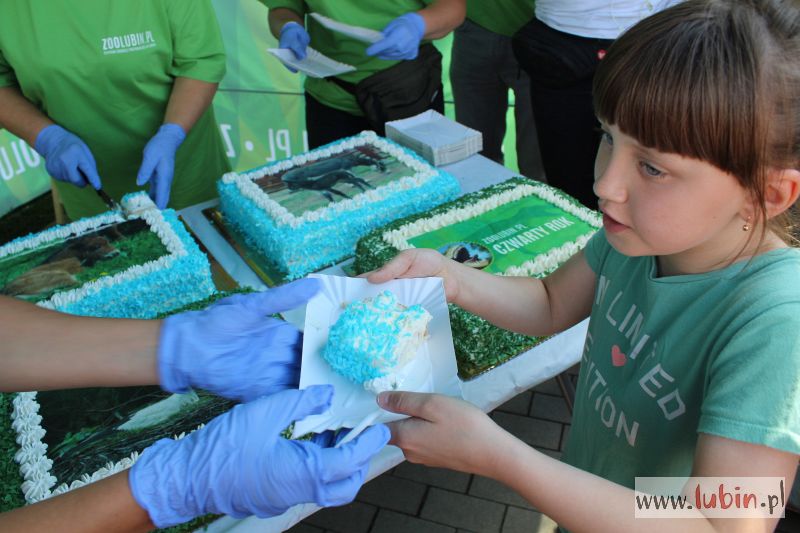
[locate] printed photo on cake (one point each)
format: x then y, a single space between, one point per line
333 179
468 253
85 429
37 274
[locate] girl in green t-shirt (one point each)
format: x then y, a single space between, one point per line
692 361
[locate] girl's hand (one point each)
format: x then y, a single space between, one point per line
420 263
445 432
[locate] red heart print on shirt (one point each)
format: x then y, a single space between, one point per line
618 357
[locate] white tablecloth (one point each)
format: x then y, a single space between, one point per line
487 391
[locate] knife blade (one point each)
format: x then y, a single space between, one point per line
110 202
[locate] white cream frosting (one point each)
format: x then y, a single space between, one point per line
245 181
541 263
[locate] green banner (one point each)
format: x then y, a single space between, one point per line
22 173
259 106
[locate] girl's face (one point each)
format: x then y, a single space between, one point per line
686 212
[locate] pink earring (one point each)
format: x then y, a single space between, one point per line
747 226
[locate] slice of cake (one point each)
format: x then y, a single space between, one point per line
307 212
516 228
109 265
373 339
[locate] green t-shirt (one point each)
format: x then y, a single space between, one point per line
373 14
500 16
104 71
667 358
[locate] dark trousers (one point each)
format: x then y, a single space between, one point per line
325 124
561 67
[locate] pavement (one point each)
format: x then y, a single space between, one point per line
417 499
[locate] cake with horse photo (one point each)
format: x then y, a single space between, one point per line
307 212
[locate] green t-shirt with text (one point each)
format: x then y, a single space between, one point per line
372 14
669 357
104 71
500 16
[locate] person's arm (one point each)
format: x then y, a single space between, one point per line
19 116
442 434
526 305
280 16
44 350
188 101
442 17
232 348
106 505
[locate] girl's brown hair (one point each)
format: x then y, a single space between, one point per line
715 80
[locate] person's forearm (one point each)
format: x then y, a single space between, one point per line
517 304
45 350
106 505
188 101
279 16
19 116
442 17
559 490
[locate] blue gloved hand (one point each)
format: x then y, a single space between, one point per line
233 348
401 38
239 464
158 164
294 37
66 156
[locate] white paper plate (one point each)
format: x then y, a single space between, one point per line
315 64
356 32
433 370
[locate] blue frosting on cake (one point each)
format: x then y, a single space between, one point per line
187 279
169 282
313 244
371 336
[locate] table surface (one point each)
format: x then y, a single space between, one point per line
486 391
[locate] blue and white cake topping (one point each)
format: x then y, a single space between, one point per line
139 291
374 338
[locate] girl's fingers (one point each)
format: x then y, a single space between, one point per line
392 270
414 404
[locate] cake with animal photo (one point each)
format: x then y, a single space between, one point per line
308 212
110 265
519 227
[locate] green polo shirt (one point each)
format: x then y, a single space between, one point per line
105 70
500 16
373 14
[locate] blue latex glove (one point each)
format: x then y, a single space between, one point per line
158 164
240 465
233 348
294 37
66 156
401 38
